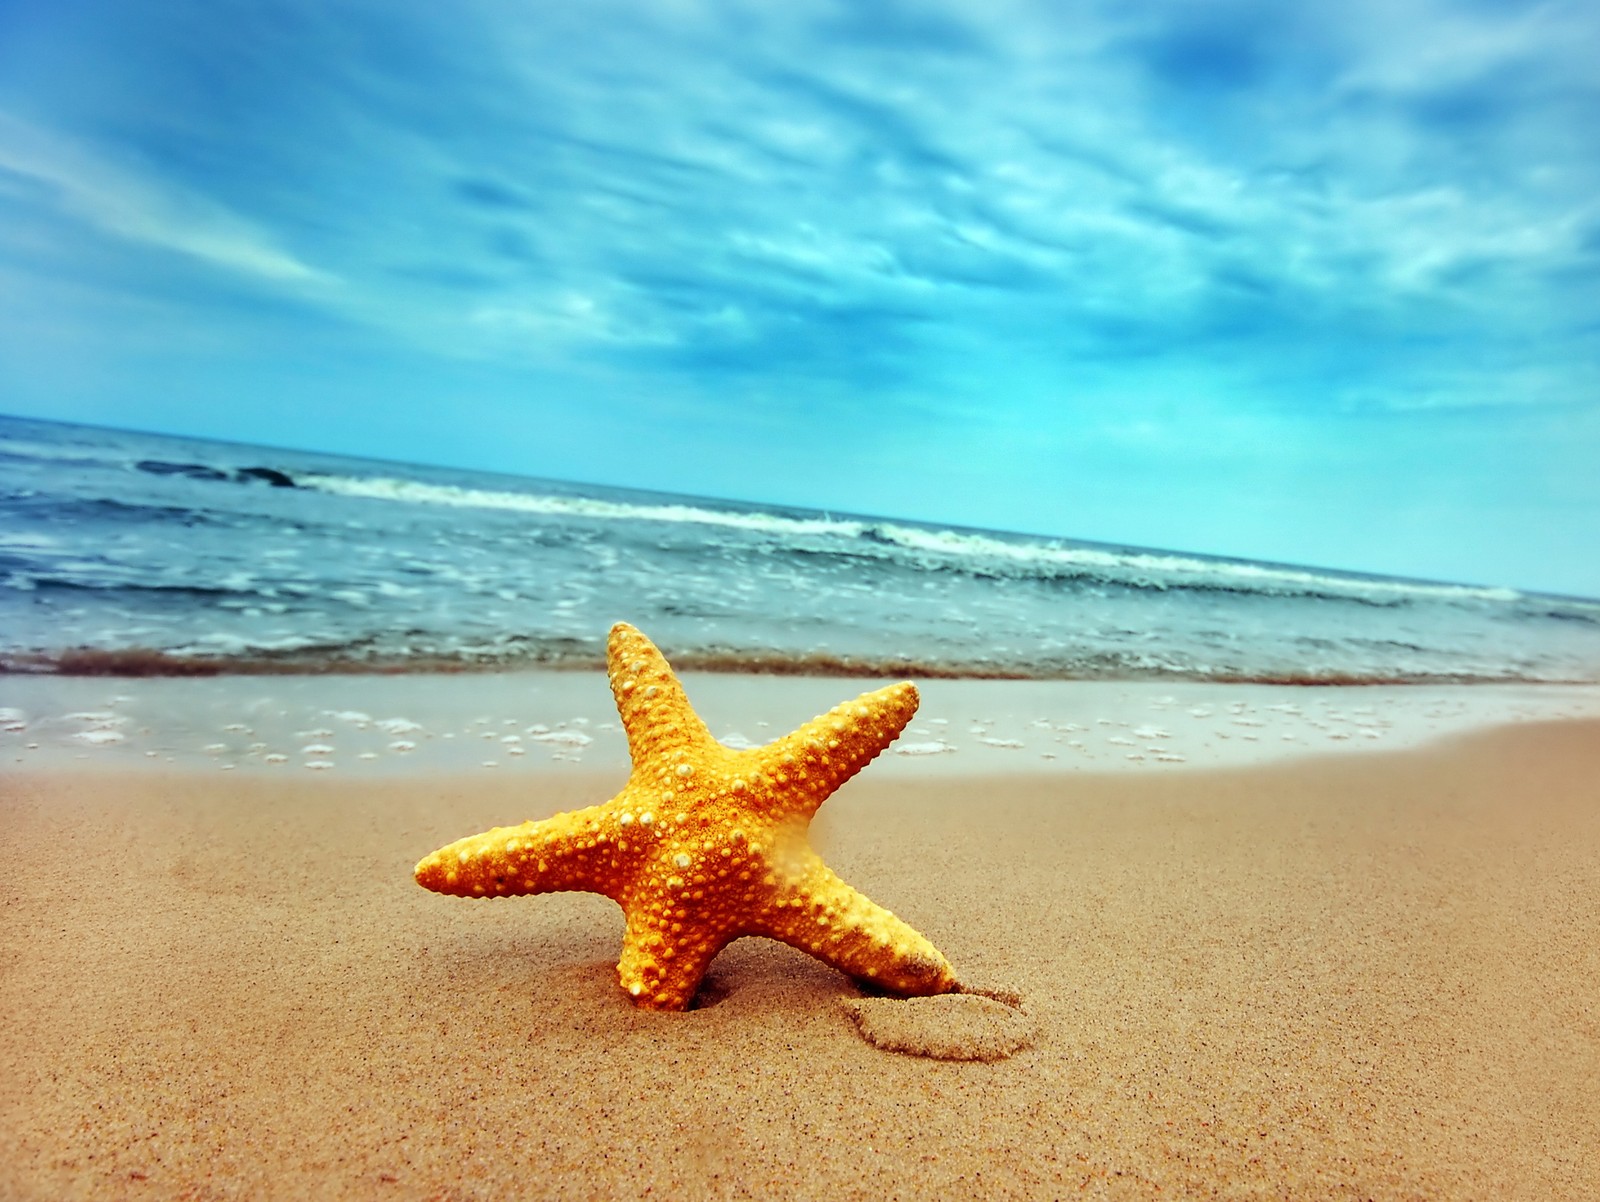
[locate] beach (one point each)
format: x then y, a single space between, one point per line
1311 967
812 602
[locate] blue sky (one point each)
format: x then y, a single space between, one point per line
1315 282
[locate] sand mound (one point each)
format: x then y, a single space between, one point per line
976 1024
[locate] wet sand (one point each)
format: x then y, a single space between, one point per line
1364 975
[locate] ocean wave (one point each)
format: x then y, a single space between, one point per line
187 565
131 512
1561 609
239 656
112 578
1165 570
973 551
924 547
417 492
114 455
29 450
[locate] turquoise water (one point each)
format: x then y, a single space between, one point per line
139 553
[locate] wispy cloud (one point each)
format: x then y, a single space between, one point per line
143 208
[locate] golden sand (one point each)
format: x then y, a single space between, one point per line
1370 976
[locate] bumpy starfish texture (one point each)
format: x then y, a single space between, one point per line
707 843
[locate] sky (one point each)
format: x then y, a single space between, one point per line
1316 282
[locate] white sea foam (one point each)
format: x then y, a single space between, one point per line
562 738
231 644
417 492
1161 570
1020 556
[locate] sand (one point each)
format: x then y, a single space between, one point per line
1362 975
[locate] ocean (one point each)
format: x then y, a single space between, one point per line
136 554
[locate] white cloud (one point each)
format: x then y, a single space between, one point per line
1410 50
118 201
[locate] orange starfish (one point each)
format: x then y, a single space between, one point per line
706 843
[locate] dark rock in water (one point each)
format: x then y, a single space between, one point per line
200 471
270 474
195 471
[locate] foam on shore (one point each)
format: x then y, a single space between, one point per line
558 721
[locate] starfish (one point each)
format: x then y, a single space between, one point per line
706 843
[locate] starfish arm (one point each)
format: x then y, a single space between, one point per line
660 970
578 850
824 917
655 710
813 761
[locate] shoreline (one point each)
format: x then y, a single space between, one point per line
531 722
1348 975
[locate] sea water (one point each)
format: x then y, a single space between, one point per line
142 554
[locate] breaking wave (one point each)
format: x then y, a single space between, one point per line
989 552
